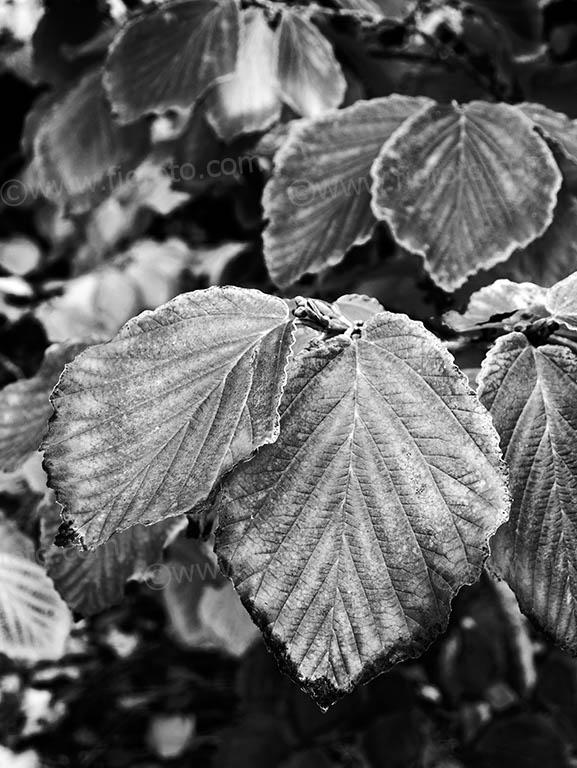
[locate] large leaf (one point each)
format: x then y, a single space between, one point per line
146 424
168 57
532 396
349 537
25 407
456 186
318 200
93 581
81 153
250 100
310 77
562 301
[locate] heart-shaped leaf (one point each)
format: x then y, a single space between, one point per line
310 77
25 407
168 57
146 424
318 200
455 187
531 393
349 537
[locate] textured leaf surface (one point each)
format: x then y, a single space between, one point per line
454 186
555 125
81 152
503 297
168 57
146 424
532 396
310 77
34 621
25 407
90 582
250 100
318 200
348 538
562 301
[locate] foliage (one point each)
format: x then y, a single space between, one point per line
265 371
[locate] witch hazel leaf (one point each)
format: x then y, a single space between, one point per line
168 57
147 424
25 407
454 187
34 620
561 301
531 394
497 301
349 537
318 199
249 101
553 256
555 125
90 582
310 77
81 153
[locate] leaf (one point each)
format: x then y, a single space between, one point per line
148 423
530 393
25 407
310 77
455 187
552 256
34 621
555 125
392 9
562 301
82 154
318 199
249 101
348 539
522 18
168 57
90 582
503 297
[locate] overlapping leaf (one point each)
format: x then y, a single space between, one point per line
454 185
310 77
250 100
146 424
555 125
498 300
348 538
93 581
168 57
81 153
532 396
25 407
318 200
561 301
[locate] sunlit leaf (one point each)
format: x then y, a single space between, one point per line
562 301
169 56
310 77
501 298
318 200
349 537
25 407
250 100
531 393
34 621
89 582
555 125
82 154
146 424
454 186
